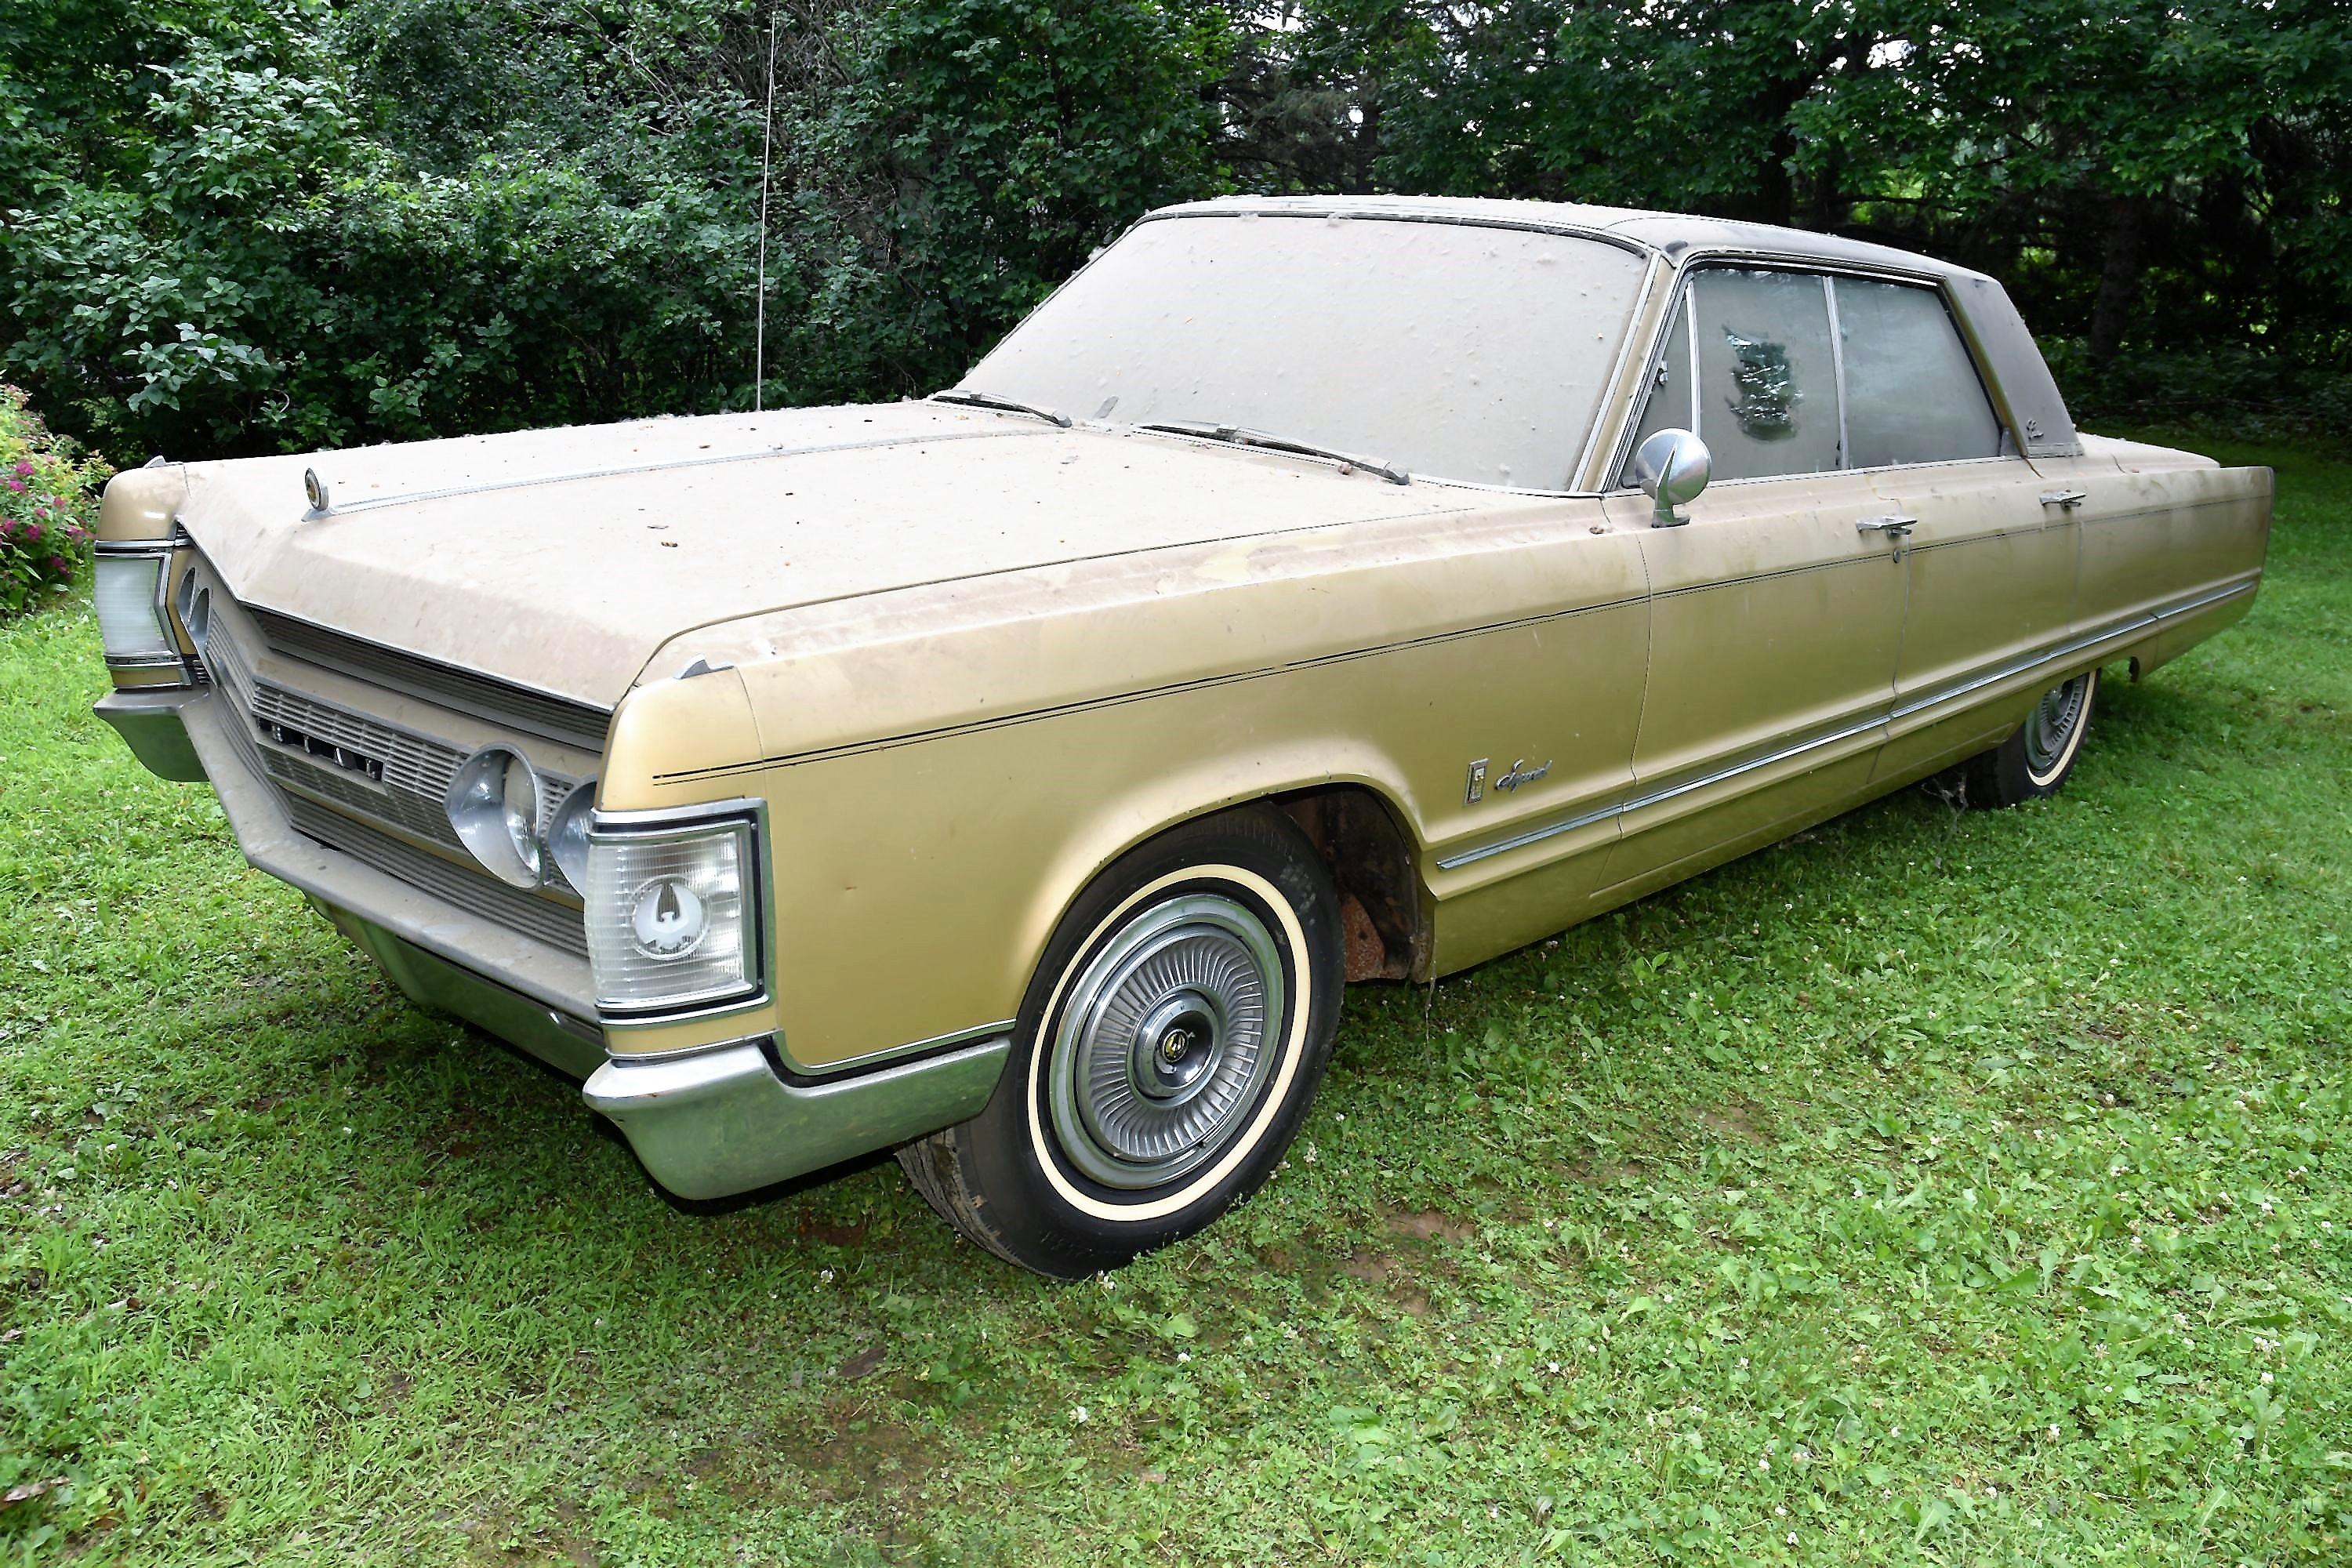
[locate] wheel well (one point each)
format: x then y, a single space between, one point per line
1384 910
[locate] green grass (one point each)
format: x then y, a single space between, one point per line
1959 1188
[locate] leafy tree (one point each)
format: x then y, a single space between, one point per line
250 225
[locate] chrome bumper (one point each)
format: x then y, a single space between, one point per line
724 1122
707 1125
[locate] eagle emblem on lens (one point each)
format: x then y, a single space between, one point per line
666 918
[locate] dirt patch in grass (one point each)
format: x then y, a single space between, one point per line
1428 1224
1738 1121
846 1453
1398 1278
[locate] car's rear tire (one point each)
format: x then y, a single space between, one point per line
2036 760
1171 1040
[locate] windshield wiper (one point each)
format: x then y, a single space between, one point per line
971 399
1241 436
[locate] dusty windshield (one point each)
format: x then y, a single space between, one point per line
1449 350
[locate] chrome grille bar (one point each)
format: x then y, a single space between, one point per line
534 713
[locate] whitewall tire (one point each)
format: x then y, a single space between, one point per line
1170 1042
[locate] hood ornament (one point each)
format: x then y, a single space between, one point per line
315 489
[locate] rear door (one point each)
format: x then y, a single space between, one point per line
1992 566
1775 616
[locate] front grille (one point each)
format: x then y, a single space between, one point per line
368 788
509 706
541 920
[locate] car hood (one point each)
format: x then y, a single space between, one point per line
562 559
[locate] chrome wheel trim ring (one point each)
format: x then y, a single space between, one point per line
1168 1036
2052 728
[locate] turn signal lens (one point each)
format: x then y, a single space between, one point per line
671 916
128 590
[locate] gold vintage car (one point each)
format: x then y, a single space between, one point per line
1308 592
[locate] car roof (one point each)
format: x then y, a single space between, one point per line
1668 233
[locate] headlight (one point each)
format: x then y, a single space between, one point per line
494 805
567 835
672 915
128 590
194 606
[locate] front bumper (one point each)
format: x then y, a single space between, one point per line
707 1125
725 1121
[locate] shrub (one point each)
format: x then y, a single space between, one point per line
48 502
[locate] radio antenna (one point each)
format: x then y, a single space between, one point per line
760 310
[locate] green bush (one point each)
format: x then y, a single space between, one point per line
403 218
48 501
2226 389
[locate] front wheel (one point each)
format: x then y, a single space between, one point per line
2035 761
1166 1053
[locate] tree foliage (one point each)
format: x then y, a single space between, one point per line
250 225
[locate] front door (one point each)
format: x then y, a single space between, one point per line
1777 612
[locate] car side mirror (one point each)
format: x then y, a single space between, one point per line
1672 467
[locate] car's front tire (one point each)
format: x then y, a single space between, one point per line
1170 1042
2036 760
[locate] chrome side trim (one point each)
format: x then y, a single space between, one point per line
2047 655
2020 665
936 1045
1782 755
1535 836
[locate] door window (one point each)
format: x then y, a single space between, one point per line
1803 372
1912 394
1768 395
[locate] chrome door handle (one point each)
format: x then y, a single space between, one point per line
2070 499
1898 529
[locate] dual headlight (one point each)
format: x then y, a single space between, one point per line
671 917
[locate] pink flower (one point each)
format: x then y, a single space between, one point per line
18 485
78 534
7 527
58 564
24 467
32 533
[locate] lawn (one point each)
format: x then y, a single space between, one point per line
1936 1188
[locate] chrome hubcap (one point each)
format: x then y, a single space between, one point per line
1166 1039
2051 727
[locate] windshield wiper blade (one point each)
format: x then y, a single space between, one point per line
1242 436
971 399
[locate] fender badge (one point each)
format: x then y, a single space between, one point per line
1521 773
1478 790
